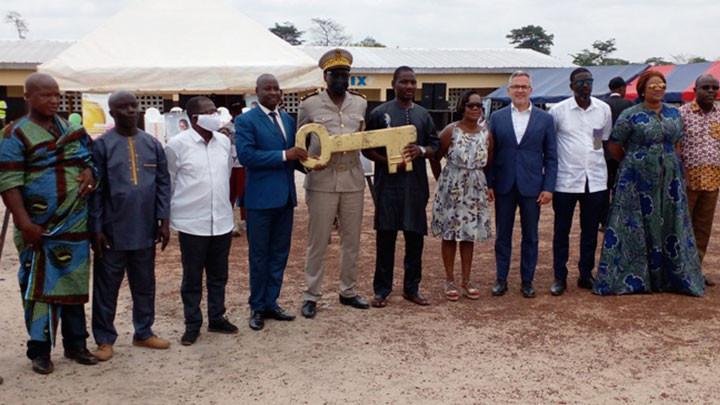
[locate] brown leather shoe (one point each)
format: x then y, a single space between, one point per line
379 301
153 342
104 352
417 298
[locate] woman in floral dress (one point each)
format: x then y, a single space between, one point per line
460 209
649 244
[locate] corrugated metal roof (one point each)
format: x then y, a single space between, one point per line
27 54
423 60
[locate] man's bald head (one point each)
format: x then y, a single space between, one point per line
125 111
268 91
706 91
39 81
121 97
43 96
264 78
705 78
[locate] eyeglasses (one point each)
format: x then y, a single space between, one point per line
584 82
708 87
657 86
470 106
519 87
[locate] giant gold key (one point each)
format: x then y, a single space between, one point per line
392 139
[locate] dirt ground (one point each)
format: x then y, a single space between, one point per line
578 348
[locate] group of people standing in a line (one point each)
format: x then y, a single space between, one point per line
124 192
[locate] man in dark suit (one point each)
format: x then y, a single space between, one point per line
617 102
522 174
265 139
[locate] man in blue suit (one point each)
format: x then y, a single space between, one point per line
265 139
522 174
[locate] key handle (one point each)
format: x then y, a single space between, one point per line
392 139
323 136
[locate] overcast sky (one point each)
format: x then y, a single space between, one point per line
642 28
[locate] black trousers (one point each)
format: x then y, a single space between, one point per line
590 212
385 262
73 328
208 253
108 274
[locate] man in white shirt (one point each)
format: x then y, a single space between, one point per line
199 162
582 124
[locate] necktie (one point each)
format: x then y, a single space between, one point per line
273 114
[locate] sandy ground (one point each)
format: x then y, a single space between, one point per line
578 348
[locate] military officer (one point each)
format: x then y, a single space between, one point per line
336 190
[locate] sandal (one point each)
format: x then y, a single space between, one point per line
469 291
451 292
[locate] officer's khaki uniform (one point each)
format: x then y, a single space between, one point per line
336 191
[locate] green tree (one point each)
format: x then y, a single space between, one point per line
697 59
531 37
685 58
289 32
598 55
327 32
369 42
657 61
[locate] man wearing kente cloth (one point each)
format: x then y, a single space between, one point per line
45 176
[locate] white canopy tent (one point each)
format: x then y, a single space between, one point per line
181 46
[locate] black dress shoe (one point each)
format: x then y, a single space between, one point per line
528 291
558 287
82 356
222 325
586 282
309 309
416 298
279 314
500 288
257 322
189 337
355 302
42 365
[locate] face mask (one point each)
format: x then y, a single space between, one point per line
210 122
338 87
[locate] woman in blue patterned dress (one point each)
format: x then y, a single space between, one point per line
649 244
460 209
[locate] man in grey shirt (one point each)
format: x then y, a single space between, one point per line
128 215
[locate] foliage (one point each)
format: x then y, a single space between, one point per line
531 37
657 61
369 42
289 32
599 55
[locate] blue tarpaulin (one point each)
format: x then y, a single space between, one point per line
552 85
680 80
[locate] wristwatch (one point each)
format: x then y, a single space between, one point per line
422 150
